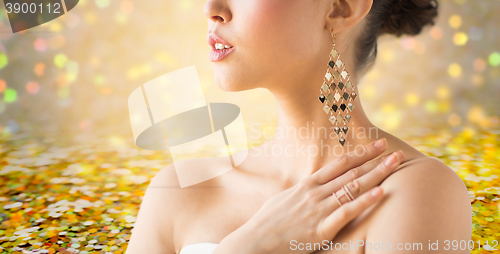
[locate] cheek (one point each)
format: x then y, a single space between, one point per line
280 32
273 38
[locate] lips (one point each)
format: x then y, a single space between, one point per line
212 39
217 55
220 47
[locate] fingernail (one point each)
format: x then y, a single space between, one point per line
380 143
401 152
391 160
375 192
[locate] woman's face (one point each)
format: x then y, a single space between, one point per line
275 42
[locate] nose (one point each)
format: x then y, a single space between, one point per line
217 10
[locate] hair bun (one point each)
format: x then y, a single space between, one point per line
409 16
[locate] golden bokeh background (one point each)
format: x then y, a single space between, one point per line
78 70
66 141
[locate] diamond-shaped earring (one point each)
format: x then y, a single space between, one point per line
336 84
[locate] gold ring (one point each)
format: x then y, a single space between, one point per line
343 193
348 191
336 198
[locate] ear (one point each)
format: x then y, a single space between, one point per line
343 14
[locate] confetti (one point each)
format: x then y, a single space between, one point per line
92 203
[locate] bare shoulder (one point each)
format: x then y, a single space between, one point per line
151 232
425 200
425 171
167 204
425 177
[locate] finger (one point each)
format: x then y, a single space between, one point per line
359 171
357 186
381 172
349 160
336 220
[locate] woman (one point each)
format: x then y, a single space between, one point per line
281 203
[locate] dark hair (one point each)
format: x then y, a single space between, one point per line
396 17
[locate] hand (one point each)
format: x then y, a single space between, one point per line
308 213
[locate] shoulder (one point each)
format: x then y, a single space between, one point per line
426 177
151 232
425 171
166 204
424 200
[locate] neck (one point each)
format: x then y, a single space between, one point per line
305 139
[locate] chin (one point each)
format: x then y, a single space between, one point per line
227 82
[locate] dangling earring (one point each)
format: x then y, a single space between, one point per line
337 94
